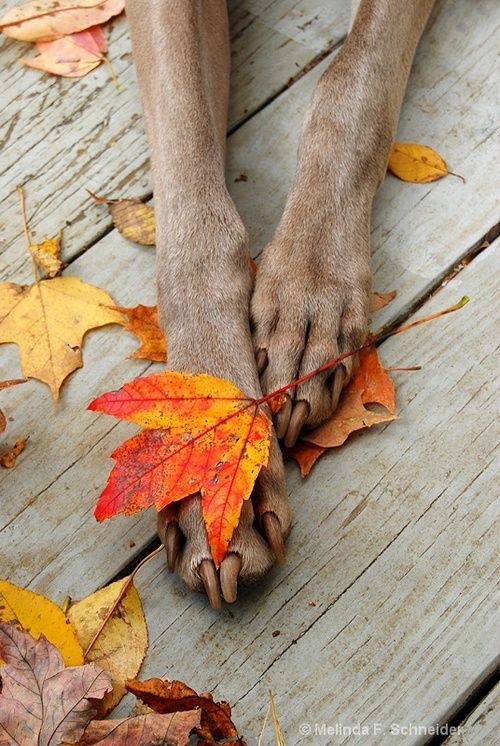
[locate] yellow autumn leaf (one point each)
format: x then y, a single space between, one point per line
48 321
40 616
420 164
121 646
47 255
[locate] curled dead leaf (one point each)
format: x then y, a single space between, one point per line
121 645
47 255
8 457
165 696
133 218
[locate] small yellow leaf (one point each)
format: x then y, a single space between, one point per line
48 321
47 255
40 616
121 646
417 163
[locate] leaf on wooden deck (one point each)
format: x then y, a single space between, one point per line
9 456
38 615
151 728
419 164
45 20
133 218
143 322
165 696
71 56
121 645
47 255
370 385
41 701
202 434
48 321
380 300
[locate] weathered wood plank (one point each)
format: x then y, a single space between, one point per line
482 726
62 136
67 460
387 607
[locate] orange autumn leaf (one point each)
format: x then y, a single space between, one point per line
45 20
8 457
143 322
201 435
370 385
380 300
72 56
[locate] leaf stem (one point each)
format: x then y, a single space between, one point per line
377 338
22 201
119 599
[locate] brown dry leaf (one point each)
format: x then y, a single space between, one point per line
41 701
45 20
134 219
72 56
141 730
380 300
122 644
6 385
174 696
419 164
370 385
47 255
143 322
8 457
48 321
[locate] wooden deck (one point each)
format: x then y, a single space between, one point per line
394 537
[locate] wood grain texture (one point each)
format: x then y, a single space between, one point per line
398 552
482 726
59 136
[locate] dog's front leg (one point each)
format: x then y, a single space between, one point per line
181 51
312 291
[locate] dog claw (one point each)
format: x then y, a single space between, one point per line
261 360
338 383
173 538
299 416
271 528
229 572
282 418
208 574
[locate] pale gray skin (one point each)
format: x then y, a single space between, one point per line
310 300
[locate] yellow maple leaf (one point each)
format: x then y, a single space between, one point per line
48 321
